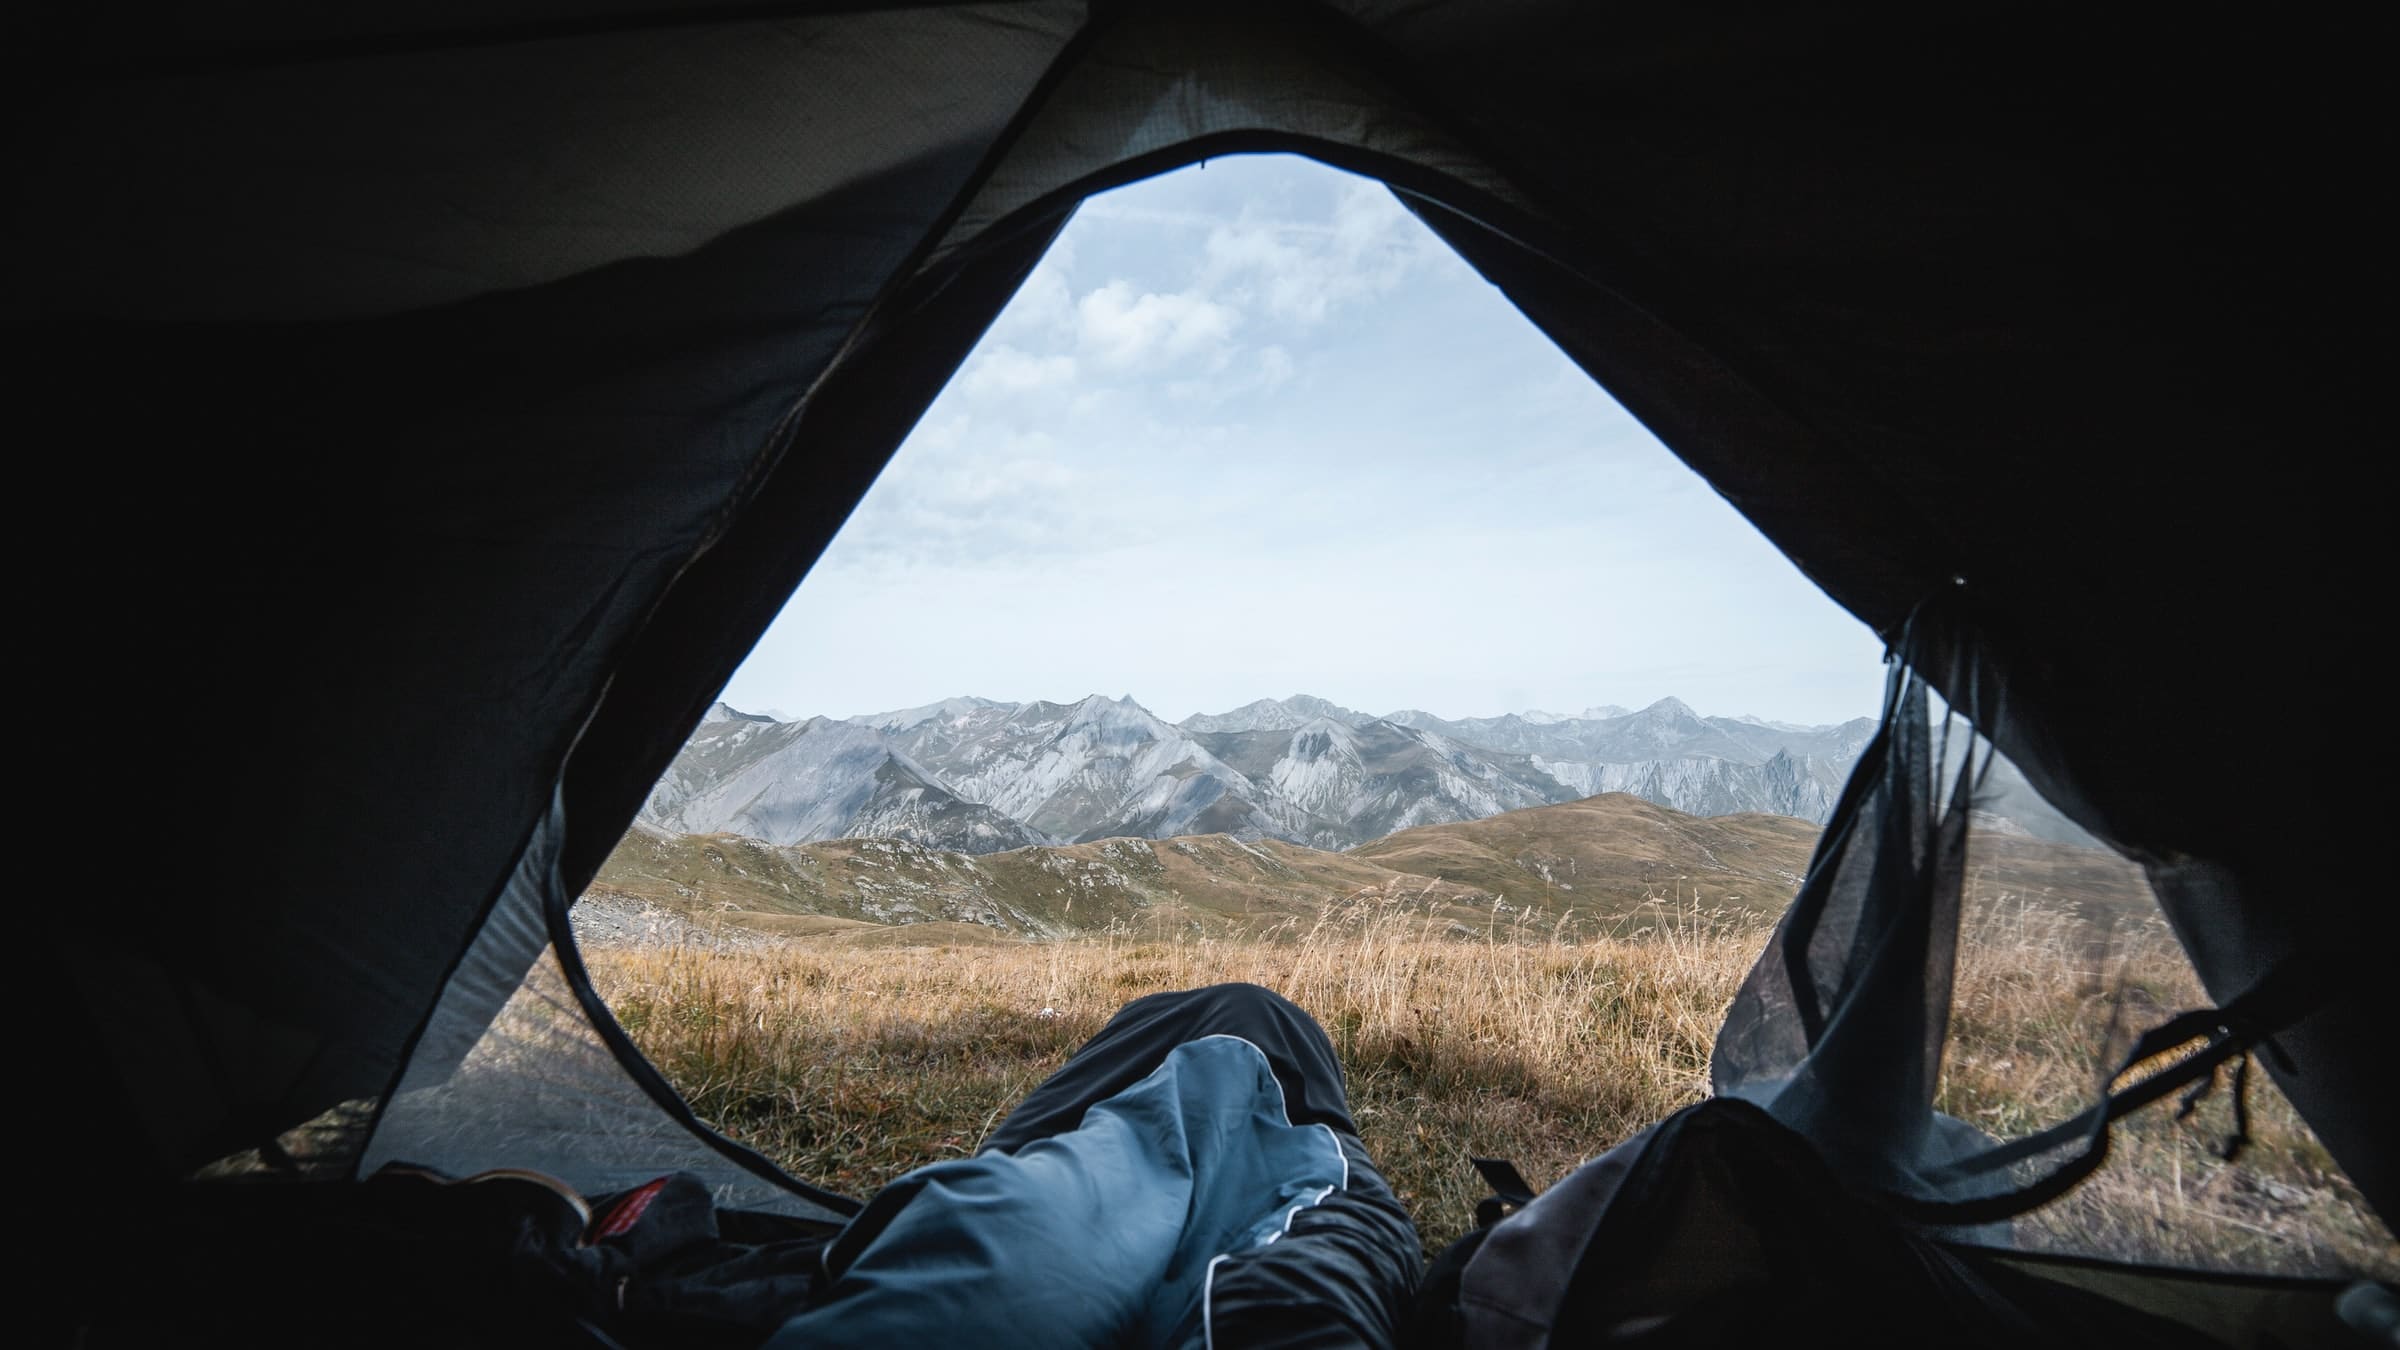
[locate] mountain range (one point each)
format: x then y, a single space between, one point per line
1593 865
1605 864
979 776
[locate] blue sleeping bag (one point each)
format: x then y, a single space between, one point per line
1103 1235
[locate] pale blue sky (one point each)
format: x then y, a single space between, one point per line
1251 431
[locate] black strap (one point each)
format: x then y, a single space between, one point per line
1510 1190
2285 994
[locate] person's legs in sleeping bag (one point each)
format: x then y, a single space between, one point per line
1190 1176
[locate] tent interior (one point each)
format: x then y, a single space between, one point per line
451 395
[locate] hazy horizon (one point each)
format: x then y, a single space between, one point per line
793 715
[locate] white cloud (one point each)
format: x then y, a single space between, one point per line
1275 366
1005 370
1302 271
1122 329
1260 372
934 436
977 484
970 491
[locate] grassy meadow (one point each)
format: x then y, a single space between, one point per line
851 1057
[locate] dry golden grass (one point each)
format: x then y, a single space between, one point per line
852 1064
2046 1006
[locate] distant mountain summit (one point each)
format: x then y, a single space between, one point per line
1274 714
1094 769
948 710
796 782
977 775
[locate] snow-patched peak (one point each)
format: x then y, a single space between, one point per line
1264 714
1099 710
794 782
1310 706
1319 736
721 711
1273 714
1319 769
949 709
1603 711
1669 707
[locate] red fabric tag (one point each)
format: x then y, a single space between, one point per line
628 1210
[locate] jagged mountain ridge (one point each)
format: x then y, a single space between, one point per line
1096 769
981 776
1275 714
1599 865
793 782
1367 780
1594 866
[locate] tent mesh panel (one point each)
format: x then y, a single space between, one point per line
541 1090
1965 967
2064 959
511 1072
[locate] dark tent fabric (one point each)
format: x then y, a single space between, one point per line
434 402
1717 1226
